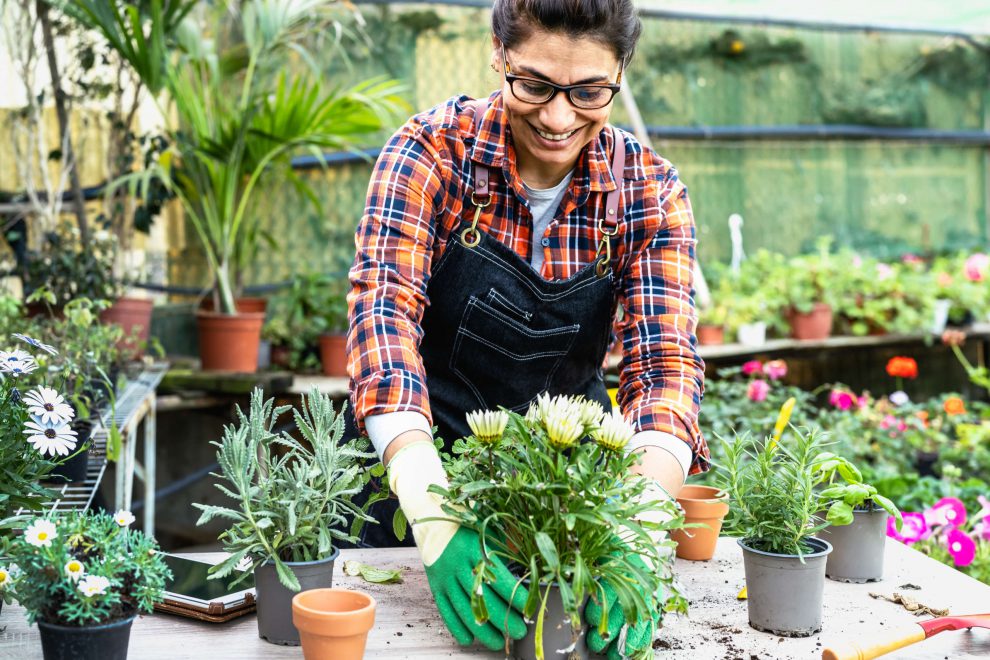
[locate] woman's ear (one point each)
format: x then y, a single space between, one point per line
496 58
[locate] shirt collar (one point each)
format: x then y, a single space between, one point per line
593 171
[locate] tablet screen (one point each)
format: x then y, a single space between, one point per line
191 578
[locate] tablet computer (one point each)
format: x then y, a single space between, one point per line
192 593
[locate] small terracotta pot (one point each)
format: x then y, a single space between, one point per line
333 355
816 325
333 623
134 316
243 305
229 342
710 335
701 504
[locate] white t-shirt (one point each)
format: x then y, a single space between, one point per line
544 203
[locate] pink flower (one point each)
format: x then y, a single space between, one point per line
947 511
976 266
775 369
758 390
884 271
984 512
944 280
857 261
752 367
863 402
961 547
914 528
982 530
888 422
841 399
912 259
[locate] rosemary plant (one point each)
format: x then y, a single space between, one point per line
294 496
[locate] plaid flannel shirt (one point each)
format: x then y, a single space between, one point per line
420 194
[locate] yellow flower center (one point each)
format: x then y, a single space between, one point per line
42 536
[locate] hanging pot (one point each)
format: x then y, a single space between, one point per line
275 599
815 325
134 316
857 548
710 335
333 355
105 642
229 342
557 633
333 623
784 594
702 505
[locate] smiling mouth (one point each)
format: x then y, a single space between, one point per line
555 137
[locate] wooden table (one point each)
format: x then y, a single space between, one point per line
408 626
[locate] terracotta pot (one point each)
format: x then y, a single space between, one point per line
243 305
333 355
333 623
816 324
710 335
134 316
229 342
702 505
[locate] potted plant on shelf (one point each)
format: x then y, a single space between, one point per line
236 130
333 340
513 482
857 522
83 579
775 505
711 324
294 499
298 319
811 292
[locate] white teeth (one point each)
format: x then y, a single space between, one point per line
554 136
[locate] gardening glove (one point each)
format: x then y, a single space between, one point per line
639 634
450 554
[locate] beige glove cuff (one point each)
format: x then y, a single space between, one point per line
410 473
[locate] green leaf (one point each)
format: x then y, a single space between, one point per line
372 574
399 524
548 550
839 514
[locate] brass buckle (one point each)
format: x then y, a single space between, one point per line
465 241
602 268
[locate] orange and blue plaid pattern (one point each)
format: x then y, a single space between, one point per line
418 198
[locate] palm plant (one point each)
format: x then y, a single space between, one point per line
238 117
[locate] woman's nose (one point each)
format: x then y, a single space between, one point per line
557 115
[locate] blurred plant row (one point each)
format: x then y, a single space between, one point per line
865 295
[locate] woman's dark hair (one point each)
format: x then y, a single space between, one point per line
613 23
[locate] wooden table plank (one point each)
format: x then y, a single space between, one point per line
408 626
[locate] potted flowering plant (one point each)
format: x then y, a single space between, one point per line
811 293
83 579
513 482
775 511
711 324
294 499
34 430
857 517
333 339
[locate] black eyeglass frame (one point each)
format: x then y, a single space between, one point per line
554 87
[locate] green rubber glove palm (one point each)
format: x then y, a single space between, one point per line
639 634
451 553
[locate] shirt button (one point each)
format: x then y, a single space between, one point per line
545 242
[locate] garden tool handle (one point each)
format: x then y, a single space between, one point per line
884 643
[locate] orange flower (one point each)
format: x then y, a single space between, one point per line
954 406
902 367
923 416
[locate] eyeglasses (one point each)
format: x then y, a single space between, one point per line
586 97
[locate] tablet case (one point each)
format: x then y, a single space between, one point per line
212 613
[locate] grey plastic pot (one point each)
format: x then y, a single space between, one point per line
275 600
857 548
784 594
558 636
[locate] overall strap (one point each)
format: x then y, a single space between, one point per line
482 194
608 225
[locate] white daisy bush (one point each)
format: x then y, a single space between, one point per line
551 492
85 569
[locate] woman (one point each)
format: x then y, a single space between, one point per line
498 238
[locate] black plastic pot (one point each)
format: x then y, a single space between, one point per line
105 642
75 468
925 462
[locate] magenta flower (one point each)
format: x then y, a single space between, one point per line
841 399
758 390
961 547
775 369
984 512
752 367
912 260
914 528
976 266
982 530
863 402
947 511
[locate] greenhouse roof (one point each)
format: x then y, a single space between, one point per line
961 17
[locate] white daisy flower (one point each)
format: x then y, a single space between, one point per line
488 425
50 439
5 577
40 533
74 569
591 413
16 355
899 398
92 585
34 342
48 407
124 518
614 432
17 363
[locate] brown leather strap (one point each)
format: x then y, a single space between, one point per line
618 167
482 176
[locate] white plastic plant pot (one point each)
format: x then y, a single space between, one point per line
940 315
752 334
